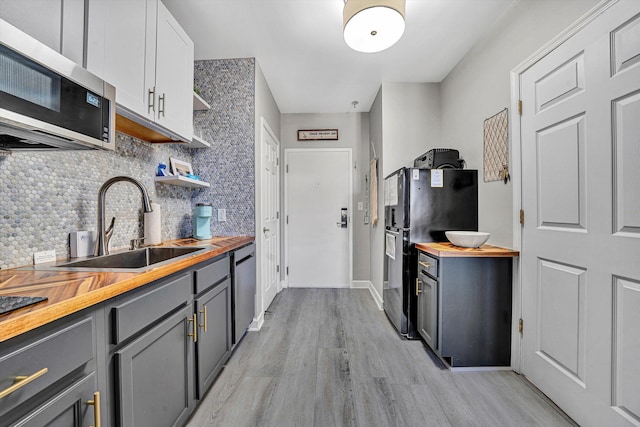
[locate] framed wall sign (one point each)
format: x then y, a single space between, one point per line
318 135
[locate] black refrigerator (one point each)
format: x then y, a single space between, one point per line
420 205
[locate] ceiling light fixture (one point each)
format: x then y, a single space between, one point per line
373 25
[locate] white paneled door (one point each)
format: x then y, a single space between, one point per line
269 226
317 197
580 260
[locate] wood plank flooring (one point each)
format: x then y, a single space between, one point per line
329 357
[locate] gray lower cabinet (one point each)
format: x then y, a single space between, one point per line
149 354
155 374
464 308
69 408
48 376
427 290
214 335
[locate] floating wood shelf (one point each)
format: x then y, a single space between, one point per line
200 104
181 181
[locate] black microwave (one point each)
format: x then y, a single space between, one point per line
47 102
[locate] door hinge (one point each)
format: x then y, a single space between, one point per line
287 219
277 215
287 271
522 216
520 326
286 168
277 269
519 106
278 161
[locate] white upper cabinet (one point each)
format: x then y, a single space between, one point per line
137 46
58 24
174 74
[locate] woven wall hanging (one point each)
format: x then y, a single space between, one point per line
496 147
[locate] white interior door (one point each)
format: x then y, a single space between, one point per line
581 237
269 226
318 191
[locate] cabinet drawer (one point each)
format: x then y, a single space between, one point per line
61 351
136 312
428 264
242 253
212 274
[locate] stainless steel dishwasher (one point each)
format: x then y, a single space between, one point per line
244 290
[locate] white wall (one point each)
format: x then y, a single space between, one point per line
478 87
410 122
353 132
404 123
377 231
265 106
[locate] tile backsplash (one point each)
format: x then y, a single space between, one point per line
44 196
228 85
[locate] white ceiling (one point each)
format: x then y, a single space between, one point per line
309 68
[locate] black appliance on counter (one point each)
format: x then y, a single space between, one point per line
420 205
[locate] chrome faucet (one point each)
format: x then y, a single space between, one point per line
102 244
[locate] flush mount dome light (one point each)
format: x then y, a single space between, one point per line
373 25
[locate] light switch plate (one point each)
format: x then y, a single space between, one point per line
360 206
222 215
44 256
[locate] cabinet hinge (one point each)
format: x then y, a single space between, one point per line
522 216
520 325
519 106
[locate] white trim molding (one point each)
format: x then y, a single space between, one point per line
366 284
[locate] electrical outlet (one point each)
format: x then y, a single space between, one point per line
222 215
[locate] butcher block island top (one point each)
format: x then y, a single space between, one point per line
446 249
72 291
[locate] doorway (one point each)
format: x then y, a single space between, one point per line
317 218
581 233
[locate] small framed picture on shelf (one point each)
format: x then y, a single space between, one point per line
178 167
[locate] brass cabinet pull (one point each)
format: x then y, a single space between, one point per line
418 291
151 99
96 408
194 320
425 264
21 381
203 310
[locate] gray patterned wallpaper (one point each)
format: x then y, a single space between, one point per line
44 196
228 85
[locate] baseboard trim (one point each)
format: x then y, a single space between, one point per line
366 284
361 284
256 325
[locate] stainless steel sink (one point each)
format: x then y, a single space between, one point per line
136 260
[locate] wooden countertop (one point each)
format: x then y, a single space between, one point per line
72 291
446 249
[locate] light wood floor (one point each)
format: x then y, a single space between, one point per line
329 357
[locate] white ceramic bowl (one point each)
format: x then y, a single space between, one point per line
467 239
